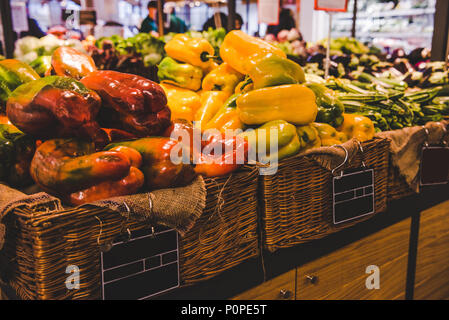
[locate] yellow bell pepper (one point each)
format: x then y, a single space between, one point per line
243 51
357 126
328 134
294 103
211 102
274 71
183 103
343 137
244 86
226 117
223 78
196 51
213 65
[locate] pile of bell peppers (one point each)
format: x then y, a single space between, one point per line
250 85
254 87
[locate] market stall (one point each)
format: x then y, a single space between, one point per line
149 166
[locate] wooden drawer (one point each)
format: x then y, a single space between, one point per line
279 288
342 274
432 262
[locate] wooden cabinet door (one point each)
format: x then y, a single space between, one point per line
279 288
432 262
343 273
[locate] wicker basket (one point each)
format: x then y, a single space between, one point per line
41 244
296 202
397 186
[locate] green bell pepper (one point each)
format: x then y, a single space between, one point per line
13 73
288 142
180 74
330 108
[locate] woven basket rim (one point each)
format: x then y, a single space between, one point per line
46 212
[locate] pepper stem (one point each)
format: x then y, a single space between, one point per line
205 56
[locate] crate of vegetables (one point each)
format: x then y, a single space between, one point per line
296 197
297 201
291 119
43 240
101 184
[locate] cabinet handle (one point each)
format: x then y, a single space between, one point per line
312 279
285 294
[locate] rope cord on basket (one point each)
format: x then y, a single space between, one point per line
217 209
101 230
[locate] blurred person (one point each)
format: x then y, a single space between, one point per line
149 24
175 24
286 22
238 22
34 29
210 23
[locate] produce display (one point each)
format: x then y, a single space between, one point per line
149 48
88 127
36 51
137 55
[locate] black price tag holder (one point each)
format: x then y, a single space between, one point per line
434 166
352 191
141 264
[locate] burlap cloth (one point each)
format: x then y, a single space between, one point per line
406 145
405 149
176 208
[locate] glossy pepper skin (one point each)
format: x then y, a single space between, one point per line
211 102
140 104
63 166
226 117
67 61
358 127
242 51
180 74
159 170
294 103
13 73
287 140
108 189
56 107
329 136
213 65
274 70
195 51
183 103
330 108
223 78
212 165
